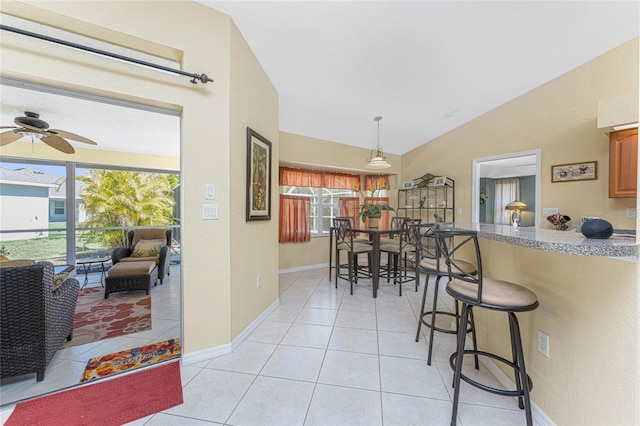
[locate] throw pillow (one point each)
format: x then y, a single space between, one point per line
59 279
147 248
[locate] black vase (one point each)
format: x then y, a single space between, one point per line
597 228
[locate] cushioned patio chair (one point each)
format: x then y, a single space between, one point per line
147 244
36 316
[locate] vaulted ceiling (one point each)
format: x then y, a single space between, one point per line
425 66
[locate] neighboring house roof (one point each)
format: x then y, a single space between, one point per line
60 192
35 177
29 176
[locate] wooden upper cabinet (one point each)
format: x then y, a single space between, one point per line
623 163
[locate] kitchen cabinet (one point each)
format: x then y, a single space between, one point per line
623 163
434 202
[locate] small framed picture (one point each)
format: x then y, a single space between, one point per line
407 185
574 171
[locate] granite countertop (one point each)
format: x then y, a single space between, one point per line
623 244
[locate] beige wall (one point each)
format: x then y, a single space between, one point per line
213 129
304 151
254 103
588 305
559 118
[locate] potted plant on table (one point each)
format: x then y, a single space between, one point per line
372 211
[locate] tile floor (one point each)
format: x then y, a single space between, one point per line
325 357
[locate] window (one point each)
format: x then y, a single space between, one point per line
58 208
324 205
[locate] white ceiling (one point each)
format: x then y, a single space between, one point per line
425 66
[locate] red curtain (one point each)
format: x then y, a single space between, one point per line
318 179
300 177
375 182
383 223
294 219
348 207
342 181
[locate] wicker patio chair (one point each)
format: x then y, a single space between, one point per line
124 254
34 318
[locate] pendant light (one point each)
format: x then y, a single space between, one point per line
377 160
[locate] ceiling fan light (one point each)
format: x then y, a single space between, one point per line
29 134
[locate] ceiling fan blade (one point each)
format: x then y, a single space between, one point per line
7 137
71 136
58 143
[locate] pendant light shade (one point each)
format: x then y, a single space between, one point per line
377 159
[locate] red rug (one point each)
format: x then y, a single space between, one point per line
118 362
97 318
109 402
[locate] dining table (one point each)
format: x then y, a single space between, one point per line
374 236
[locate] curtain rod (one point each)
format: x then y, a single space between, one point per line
194 77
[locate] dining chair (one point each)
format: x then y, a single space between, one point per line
345 240
399 250
332 241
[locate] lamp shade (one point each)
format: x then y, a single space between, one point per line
516 205
377 160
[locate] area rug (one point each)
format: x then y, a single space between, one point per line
106 365
109 402
97 318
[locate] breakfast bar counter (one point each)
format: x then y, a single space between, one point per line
623 244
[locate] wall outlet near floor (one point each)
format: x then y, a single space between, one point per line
543 343
259 281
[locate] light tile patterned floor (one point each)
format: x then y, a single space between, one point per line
325 357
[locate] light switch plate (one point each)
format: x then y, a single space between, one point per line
209 211
210 191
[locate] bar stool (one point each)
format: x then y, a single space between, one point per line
430 262
476 291
345 240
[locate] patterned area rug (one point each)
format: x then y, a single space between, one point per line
97 318
118 362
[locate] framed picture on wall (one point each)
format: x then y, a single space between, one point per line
258 176
574 171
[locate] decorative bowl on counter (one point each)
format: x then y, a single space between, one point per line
597 228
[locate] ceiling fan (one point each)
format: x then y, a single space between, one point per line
32 126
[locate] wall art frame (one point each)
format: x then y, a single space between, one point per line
258 176
572 172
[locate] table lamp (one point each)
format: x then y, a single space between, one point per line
517 207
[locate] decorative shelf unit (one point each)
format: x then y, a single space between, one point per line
432 202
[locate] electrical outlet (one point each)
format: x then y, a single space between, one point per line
259 281
543 343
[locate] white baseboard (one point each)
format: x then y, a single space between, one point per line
539 416
303 268
227 348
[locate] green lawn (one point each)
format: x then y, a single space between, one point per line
53 247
